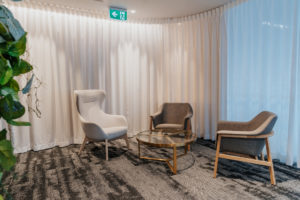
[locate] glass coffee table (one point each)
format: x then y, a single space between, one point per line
166 139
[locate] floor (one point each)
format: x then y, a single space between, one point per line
59 173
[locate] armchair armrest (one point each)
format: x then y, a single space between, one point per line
230 132
236 128
187 123
92 130
157 118
188 116
115 120
155 115
232 126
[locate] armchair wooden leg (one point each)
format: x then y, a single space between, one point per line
271 168
150 125
126 140
106 149
217 156
189 127
189 147
262 156
82 145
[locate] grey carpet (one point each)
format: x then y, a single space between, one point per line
59 173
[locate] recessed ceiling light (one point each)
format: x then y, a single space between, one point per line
132 11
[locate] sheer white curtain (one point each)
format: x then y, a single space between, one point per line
191 67
139 65
262 68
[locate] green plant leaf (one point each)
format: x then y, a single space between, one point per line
6 72
6 76
13 84
4 32
3 134
17 48
7 158
14 27
3 29
1 197
21 67
10 109
18 123
7 90
2 40
3 47
26 89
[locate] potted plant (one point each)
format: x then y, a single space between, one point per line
12 47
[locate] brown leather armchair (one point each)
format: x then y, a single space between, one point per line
173 116
244 141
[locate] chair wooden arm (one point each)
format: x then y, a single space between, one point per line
247 136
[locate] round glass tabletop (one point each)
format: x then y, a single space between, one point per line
165 138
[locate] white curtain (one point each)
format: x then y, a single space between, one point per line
191 68
261 69
139 65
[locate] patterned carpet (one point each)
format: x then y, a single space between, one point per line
59 173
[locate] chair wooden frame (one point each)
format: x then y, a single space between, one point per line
86 139
246 158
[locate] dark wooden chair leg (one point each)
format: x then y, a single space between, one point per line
189 127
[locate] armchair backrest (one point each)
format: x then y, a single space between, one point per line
263 122
175 113
88 103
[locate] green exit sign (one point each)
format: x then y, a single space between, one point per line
118 14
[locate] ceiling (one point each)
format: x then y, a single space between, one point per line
144 8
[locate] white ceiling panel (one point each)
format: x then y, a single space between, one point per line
144 8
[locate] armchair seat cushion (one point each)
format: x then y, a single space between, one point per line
115 132
247 146
169 126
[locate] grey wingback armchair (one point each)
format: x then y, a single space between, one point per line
96 124
244 141
172 116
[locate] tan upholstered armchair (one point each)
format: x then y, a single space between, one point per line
244 141
176 116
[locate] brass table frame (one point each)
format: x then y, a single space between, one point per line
167 160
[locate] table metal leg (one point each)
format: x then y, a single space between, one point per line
174 160
173 167
139 148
